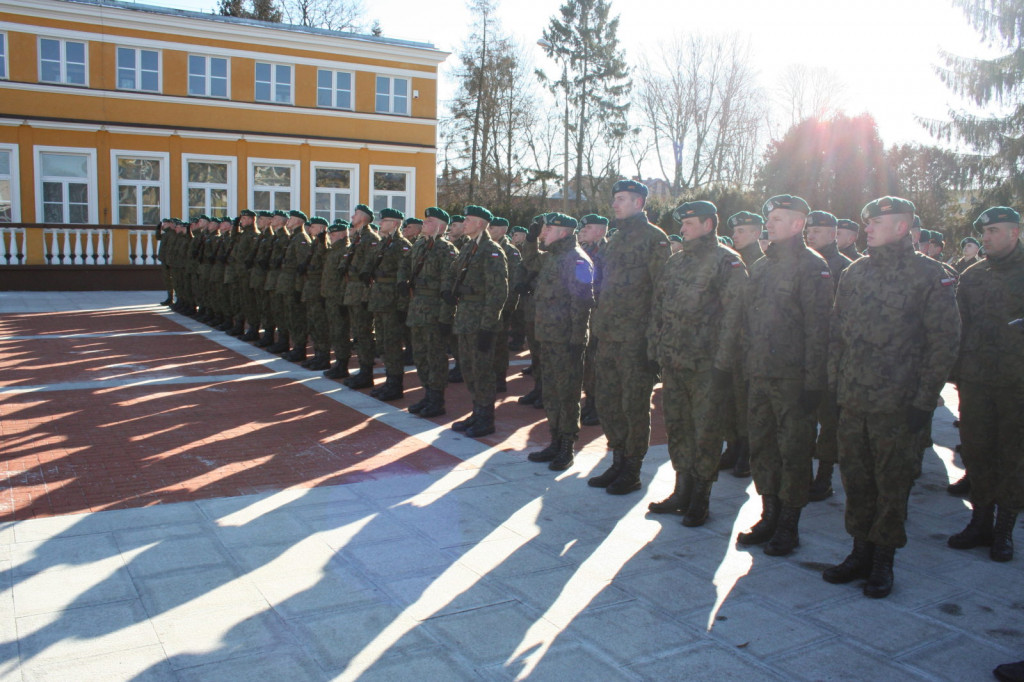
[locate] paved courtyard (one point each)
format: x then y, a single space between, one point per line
176 504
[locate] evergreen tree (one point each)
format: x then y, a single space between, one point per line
264 10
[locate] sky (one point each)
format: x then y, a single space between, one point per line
883 52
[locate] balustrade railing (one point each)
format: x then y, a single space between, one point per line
36 244
142 247
77 246
12 246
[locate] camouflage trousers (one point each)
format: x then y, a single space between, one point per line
319 332
826 446
692 422
182 285
562 388
168 276
298 323
878 465
501 347
361 324
251 306
338 330
477 369
430 350
991 431
390 340
625 382
589 373
267 317
781 439
282 314
535 352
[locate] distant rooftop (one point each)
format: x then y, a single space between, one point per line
155 9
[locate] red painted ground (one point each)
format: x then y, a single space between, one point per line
94 322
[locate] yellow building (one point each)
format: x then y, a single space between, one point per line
116 114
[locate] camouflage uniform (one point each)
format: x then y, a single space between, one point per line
734 419
891 348
260 257
287 288
381 268
332 288
851 252
425 271
316 311
513 258
218 253
279 312
165 237
596 253
826 447
241 263
360 318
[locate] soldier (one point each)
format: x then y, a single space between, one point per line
518 233
165 229
675 243
524 283
937 241
457 236
593 241
316 311
191 253
364 239
498 230
969 248
218 265
634 259
564 291
289 286
915 233
990 377
258 260
206 245
412 228
240 260
786 335
894 335
332 288
429 317
479 287
278 312
693 335
517 334
822 232
380 274
846 238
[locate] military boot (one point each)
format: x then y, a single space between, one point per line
530 397
321 360
588 416
697 512
337 371
167 301
742 467
610 474
501 384
238 329
435 404
393 388
679 501
281 346
267 339
763 530
455 374
253 334
728 458
464 424
855 566
628 479
978 532
361 379
419 404
566 455
485 424
549 453
787 536
226 325
961 488
297 354
1002 535
879 582
821 486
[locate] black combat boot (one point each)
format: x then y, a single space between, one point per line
267 339
679 501
961 488
226 325
610 474
855 566
588 415
549 453
393 388
697 513
337 370
419 404
879 582
530 397
1002 535
320 361
281 346
787 536
728 458
821 486
464 424
455 374
237 329
742 467
435 404
763 530
484 425
167 301
628 479
978 532
501 384
565 457
253 334
361 379
297 354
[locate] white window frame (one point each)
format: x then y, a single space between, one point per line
4 75
63 60
164 182
334 90
273 83
295 186
91 181
208 76
410 188
391 95
15 184
138 68
232 182
352 168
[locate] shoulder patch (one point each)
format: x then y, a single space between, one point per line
947 281
825 274
735 264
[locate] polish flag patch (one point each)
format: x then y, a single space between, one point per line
735 264
825 274
947 281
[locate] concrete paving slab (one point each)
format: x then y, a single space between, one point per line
841 661
337 639
131 664
492 634
880 625
705 661
217 634
83 632
646 633
429 665
97 583
279 663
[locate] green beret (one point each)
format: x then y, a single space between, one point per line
247 212
846 224
560 220
520 228
167 220
318 220
969 240
744 218
456 218
675 238
821 219
226 219
925 236
500 222
694 209
997 214
722 239
917 222
392 213
264 214
295 213
886 206
538 218
280 213
365 209
339 221
441 214
786 201
203 216
593 219
479 212
937 238
630 186
374 226
412 221
338 225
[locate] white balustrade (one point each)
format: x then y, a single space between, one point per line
142 247
78 246
12 246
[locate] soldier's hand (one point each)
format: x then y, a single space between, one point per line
809 400
449 298
534 232
403 288
444 328
917 419
484 341
721 381
364 277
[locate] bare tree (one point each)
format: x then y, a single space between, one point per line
810 92
335 15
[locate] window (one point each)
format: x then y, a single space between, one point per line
392 95
139 187
334 89
61 61
66 182
208 184
273 83
335 189
273 185
3 55
207 76
9 184
138 69
392 188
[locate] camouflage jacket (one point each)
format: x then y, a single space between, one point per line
851 252
288 279
243 254
332 281
278 246
991 295
697 308
479 279
164 237
837 262
383 264
633 262
786 314
563 291
216 255
513 257
596 252
425 270
895 331
962 264
315 270
751 253
260 259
